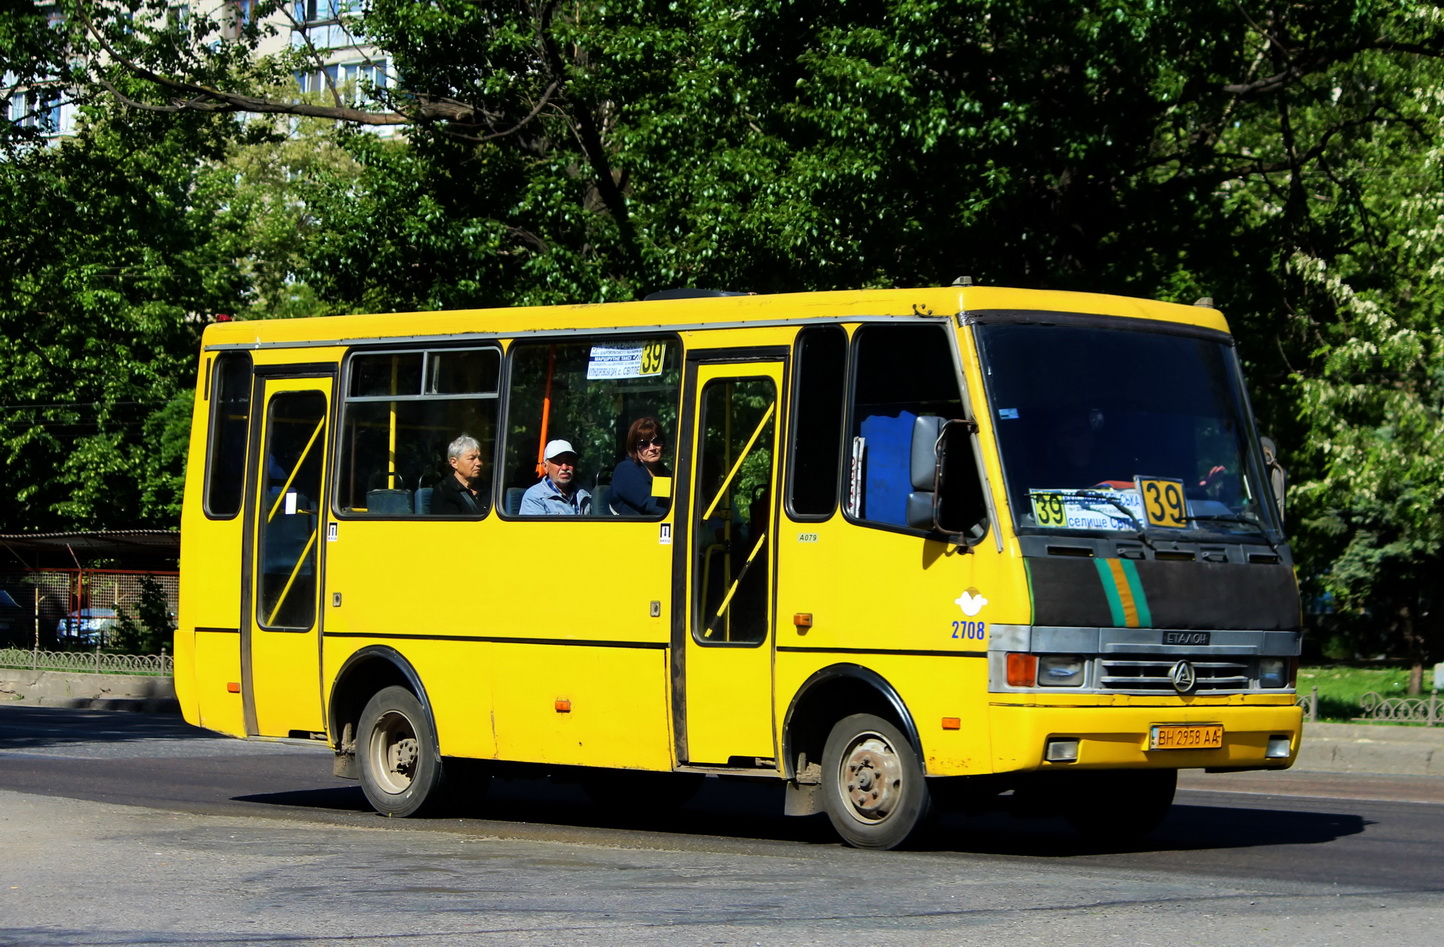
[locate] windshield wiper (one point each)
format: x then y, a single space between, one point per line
1114 501
1250 519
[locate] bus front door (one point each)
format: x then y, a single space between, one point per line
726 646
280 644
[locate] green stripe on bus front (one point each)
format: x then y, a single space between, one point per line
1140 598
1110 591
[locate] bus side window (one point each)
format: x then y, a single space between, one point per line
588 394
819 401
902 372
402 410
230 422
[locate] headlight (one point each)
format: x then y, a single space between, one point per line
1060 670
1273 672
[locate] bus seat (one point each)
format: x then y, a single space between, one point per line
513 499
602 500
388 501
887 466
423 500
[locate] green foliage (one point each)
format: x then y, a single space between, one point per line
112 252
150 628
1284 160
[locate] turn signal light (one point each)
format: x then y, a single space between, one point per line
233 687
563 705
1022 669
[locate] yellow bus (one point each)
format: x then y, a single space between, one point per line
900 550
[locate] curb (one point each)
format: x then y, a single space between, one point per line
146 705
1381 749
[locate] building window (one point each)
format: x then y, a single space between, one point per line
354 81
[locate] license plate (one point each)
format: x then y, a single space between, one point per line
1203 737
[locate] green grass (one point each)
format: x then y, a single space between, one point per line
1341 687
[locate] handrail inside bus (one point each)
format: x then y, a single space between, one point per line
546 418
746 451
291 580
741 574
295 469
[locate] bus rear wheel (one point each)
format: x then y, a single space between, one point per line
401 771
873 787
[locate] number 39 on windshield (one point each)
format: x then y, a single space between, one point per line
1163 502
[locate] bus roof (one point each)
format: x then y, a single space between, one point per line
698 312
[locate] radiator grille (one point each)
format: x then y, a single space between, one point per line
1149 675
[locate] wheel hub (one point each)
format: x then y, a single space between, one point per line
403 757
872 775
396 752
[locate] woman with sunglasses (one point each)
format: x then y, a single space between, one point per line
632 481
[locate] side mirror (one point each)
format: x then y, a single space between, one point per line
941 500
925 470
1278 477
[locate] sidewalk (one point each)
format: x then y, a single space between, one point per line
1372 748
88 691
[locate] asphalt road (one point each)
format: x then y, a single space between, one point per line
135 829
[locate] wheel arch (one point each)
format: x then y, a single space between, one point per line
829 695
363 674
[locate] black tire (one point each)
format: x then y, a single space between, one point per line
396 748
1117 807
873 787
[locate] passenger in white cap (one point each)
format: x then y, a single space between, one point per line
557 492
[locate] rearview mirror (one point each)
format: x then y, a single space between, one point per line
946 495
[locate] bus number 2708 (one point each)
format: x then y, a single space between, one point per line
973 630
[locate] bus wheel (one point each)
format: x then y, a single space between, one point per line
872 783
400 770
1118 807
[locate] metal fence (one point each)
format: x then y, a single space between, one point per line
1310 703
1376 708
96 662
1426 710
47 596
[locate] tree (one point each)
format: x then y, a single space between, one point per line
1371 402
114 249
1262 155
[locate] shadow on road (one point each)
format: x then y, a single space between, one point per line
26 727
752 810
747 810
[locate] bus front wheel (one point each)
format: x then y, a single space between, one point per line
400 770
872 783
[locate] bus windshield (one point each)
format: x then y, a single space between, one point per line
1119 429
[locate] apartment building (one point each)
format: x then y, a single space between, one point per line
318 32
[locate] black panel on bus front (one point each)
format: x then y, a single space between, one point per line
1160 593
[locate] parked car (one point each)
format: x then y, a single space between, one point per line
87 626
